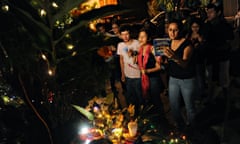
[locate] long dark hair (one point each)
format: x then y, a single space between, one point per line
181 33
198 22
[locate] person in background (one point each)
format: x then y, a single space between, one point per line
196 37
117 86
101 30
218 33
130 72
150 71
181 75
116 29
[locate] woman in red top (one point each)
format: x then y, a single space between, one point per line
150 67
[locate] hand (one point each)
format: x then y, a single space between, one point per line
130 52
144 71
169 53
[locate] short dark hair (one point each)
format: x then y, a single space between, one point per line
125 27
214 6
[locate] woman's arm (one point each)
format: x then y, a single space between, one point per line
183 62
157 64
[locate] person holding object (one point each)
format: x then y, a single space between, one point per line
149 65
181 75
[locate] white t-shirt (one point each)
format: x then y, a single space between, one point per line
131 69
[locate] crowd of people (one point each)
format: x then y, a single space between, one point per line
194 65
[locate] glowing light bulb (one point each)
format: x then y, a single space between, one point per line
50 72
176 140
43 12
57 22
5 8
67 36
54 4
70 46
74 53
44 57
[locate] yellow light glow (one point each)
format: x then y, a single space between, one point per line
57 23
67 35
5 99
44 57
5 8
74 53
50 72
92 26
54 5
43 12
176 140
70 46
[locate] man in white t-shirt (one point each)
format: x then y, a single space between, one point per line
127 50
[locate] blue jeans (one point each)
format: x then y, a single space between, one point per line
134 91
186 89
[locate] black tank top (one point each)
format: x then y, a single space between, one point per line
151 64
176 70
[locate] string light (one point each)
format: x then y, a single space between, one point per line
70 46
44 57
74 53
50 72
43 12
67 36
5 8
54 5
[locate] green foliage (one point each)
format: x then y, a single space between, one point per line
86 113
77 73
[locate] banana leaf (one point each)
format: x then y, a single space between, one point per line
83 111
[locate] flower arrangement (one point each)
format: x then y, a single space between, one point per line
121 126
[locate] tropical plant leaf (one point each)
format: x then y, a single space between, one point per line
28 18
66 6
39 32
83 111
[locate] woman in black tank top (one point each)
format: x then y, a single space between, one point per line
182 75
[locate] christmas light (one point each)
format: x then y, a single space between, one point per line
43 12
5 8
50 72
70 46
74 53
54 4
57 23
67 36
44 57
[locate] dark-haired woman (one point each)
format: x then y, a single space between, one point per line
150 66
196 37
181 75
